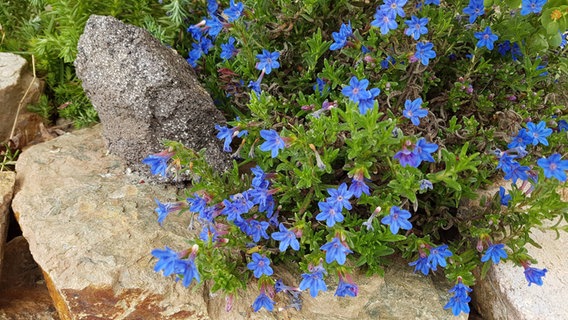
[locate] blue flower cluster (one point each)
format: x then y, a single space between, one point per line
436 257
172 262
534 134
412 154
459 302
357 92
206 31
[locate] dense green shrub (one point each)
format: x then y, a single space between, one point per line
357 125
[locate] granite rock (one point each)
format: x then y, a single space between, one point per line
145 93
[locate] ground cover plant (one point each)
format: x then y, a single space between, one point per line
369 140
357 139
359 130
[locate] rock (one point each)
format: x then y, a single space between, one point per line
7 181
15 78
145 93
505 294
23 293
91 228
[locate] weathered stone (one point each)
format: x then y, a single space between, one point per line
144 93
505 294
23 293
91 228
15 78
7 181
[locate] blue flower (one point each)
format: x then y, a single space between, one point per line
255 86
257 230
534 275
273 142
168 261
424 52
521 140
164 209
234 11
358 186
260 265
196 203
228 49
227 135
158 162
413 111
425 185
495 252
505 198
538 132
553 166
368 104
330 213
423 149
287 239
263 301
335 250
438 255
434 2
486 38
189 271
474 10
259 180
385 21
208 233
421 264
416 27
214 26
459 302
394 7
320 86
212 6
314 281
232 211
562 125
357 90
516 172
387 62
346 289
397 219
268 61
407 157
340 196
341 37
531 6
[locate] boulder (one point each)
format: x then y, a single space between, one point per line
145 93
505 294
91 228
7 181
15 79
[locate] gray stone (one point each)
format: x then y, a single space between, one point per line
7 181
505 294
91 228
15 78
144 93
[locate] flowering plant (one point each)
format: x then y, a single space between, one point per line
356 140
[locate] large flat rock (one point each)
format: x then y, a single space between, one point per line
91 228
